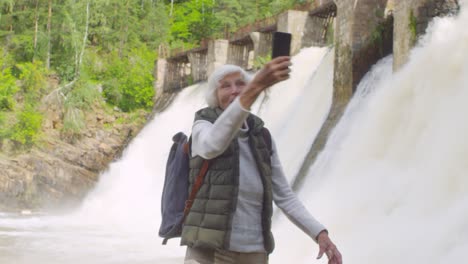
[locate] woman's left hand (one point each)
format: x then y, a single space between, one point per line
327 247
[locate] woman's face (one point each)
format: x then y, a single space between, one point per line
229 88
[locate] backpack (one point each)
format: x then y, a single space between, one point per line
176 201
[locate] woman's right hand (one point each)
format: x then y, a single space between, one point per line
275 71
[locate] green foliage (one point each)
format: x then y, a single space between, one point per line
21 46
330 37
413 26
27 129
377 34
79 100
2 126
230 15
67 38
259 61
129 81
8 89
193 21
119 40
122 25
83 96
73 123
33 77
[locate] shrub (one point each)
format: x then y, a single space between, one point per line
28 126
33 77
82 96
129 81
260 61
8 89
73 123
79 100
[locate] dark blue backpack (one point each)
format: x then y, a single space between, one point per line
176 201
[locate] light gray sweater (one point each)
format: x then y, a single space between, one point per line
210 140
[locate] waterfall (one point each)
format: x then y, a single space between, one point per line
391 183
119 220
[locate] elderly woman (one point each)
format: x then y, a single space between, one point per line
230 220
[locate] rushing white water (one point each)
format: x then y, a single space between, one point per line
391 185
298 245
119 220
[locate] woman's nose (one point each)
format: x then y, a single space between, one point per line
236 89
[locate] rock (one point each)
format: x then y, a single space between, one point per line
57 172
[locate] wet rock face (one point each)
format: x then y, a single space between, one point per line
36 179
60 172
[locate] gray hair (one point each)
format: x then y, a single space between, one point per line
213 81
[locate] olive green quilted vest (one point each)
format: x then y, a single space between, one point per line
208 224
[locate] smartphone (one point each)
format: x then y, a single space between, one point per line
281 45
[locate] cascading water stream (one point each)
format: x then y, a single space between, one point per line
119 219
391 183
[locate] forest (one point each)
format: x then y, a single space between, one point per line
84 52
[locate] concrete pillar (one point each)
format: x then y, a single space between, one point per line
178 73
356 50
405 38
199 65
161 69
238 53
411 20
358 42
315 31
261 43
217 54
294 22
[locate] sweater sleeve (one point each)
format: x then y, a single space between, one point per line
288 202
210 140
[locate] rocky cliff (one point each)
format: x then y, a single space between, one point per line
59 171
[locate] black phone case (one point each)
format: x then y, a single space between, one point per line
281 44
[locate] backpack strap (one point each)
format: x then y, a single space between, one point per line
198 181
196 186
267 137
